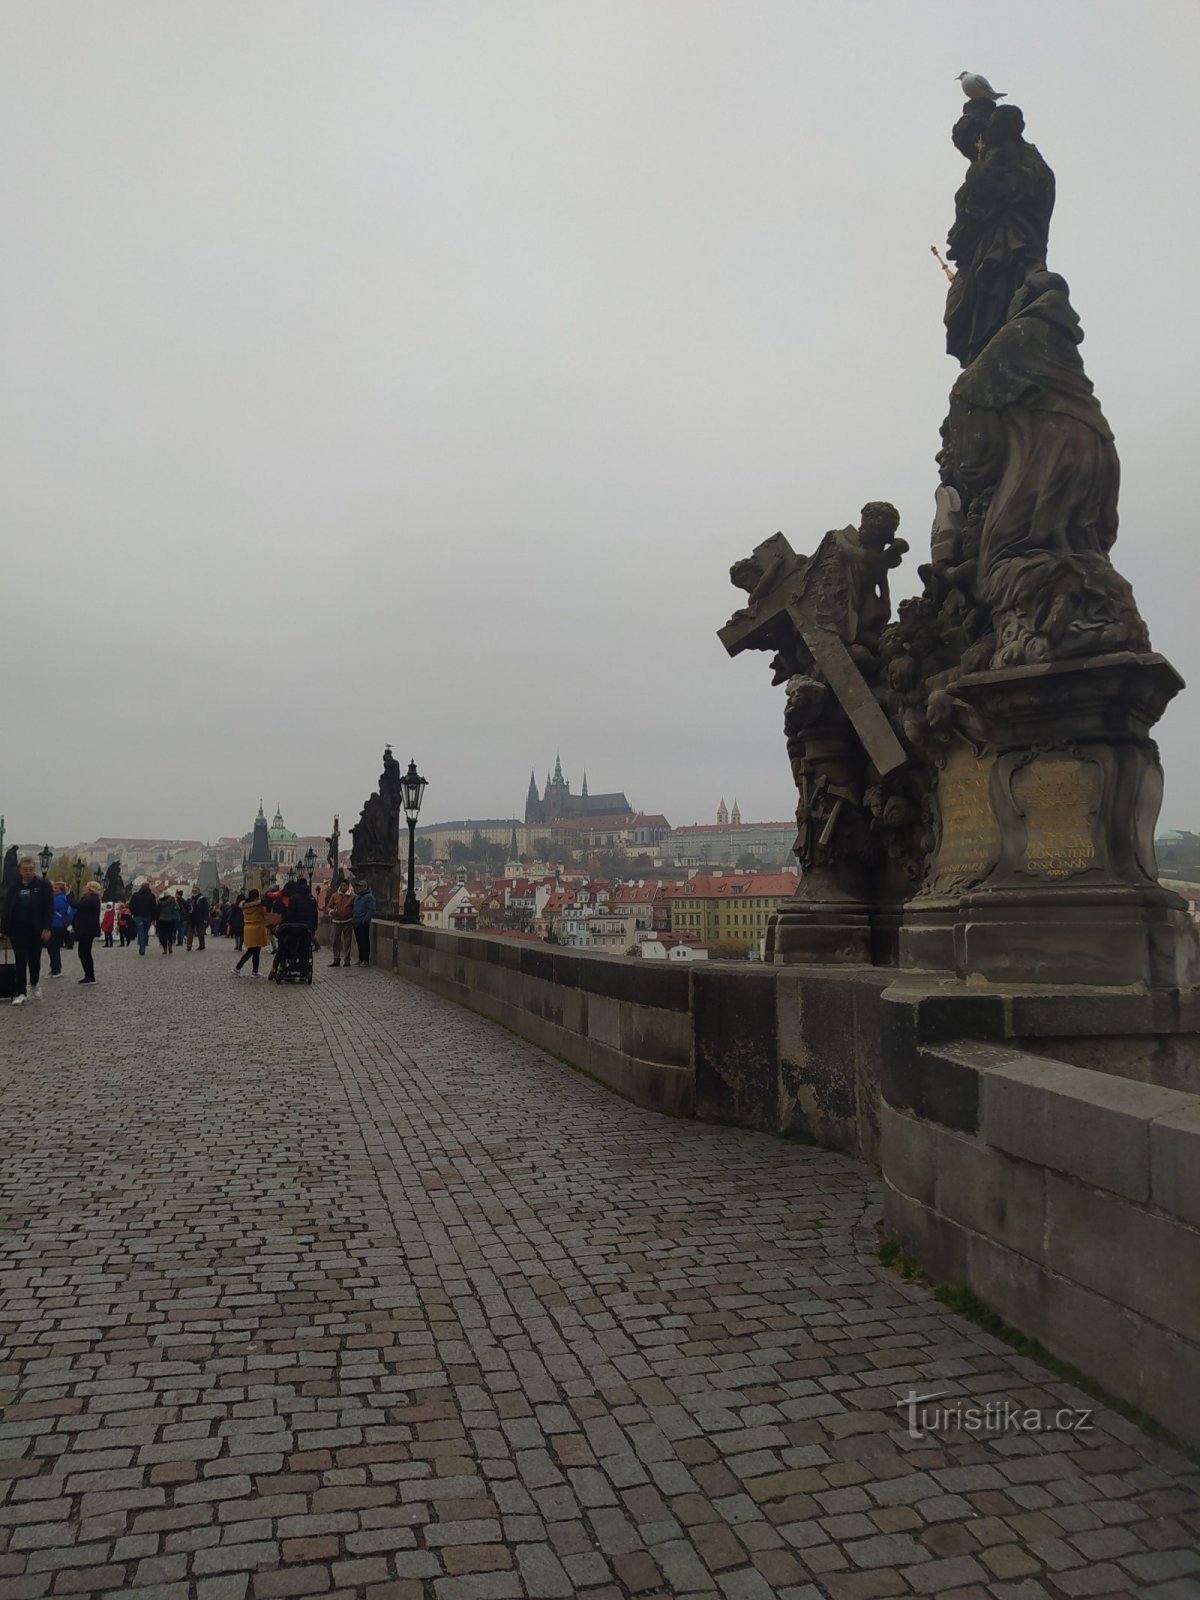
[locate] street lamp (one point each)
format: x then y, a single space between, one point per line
310 861
80 866
45 856
412 786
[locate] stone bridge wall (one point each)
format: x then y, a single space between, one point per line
720 1041
1068 1200
1065 1196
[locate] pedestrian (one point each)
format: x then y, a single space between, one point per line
197 920
274 903
254 933
58 929
143 908
362 915
168 923
236 918
88 924
182 925
339 906
299 911
108 922
124 926
28 918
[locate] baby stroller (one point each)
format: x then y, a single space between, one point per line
294 957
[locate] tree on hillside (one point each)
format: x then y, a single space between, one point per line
728 950
62 870
459 852
425 851
747 861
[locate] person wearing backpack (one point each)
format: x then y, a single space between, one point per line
168 923
143 908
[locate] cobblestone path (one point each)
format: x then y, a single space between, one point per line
342 1290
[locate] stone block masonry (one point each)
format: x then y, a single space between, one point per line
351 1293
1066 1200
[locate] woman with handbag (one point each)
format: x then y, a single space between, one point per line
255 933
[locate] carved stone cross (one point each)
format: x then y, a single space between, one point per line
789 598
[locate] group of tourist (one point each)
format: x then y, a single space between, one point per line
42 918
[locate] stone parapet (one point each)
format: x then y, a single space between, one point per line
1067 1200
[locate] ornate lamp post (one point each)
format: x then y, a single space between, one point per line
310 861
45 856
80 866
412 786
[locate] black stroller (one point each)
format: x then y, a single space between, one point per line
294 957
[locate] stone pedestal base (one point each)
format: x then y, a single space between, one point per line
1046 871
1098 936
386 884
833 933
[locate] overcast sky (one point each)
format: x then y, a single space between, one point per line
414 372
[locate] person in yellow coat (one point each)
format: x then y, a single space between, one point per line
255 933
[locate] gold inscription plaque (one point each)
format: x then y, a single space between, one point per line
1059 798
970 840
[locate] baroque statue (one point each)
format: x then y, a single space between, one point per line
377 832
991 740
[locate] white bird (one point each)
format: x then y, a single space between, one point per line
976 87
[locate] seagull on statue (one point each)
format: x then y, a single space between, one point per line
976 87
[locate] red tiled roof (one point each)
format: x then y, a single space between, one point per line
709 886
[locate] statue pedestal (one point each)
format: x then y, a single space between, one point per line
1047 838
386 884
823 932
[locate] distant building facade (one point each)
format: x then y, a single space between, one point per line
730 842
729 906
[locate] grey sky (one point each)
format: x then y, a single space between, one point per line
407 371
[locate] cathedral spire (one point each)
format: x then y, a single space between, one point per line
585 783
722 814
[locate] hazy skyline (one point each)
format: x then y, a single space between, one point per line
392 372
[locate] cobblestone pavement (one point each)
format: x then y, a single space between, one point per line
343 1290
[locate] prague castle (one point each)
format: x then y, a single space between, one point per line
558 804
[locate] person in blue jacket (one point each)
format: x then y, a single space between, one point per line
362 914
58 928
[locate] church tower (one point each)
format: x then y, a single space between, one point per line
260 845
722 814
556 793
533 804
735 816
